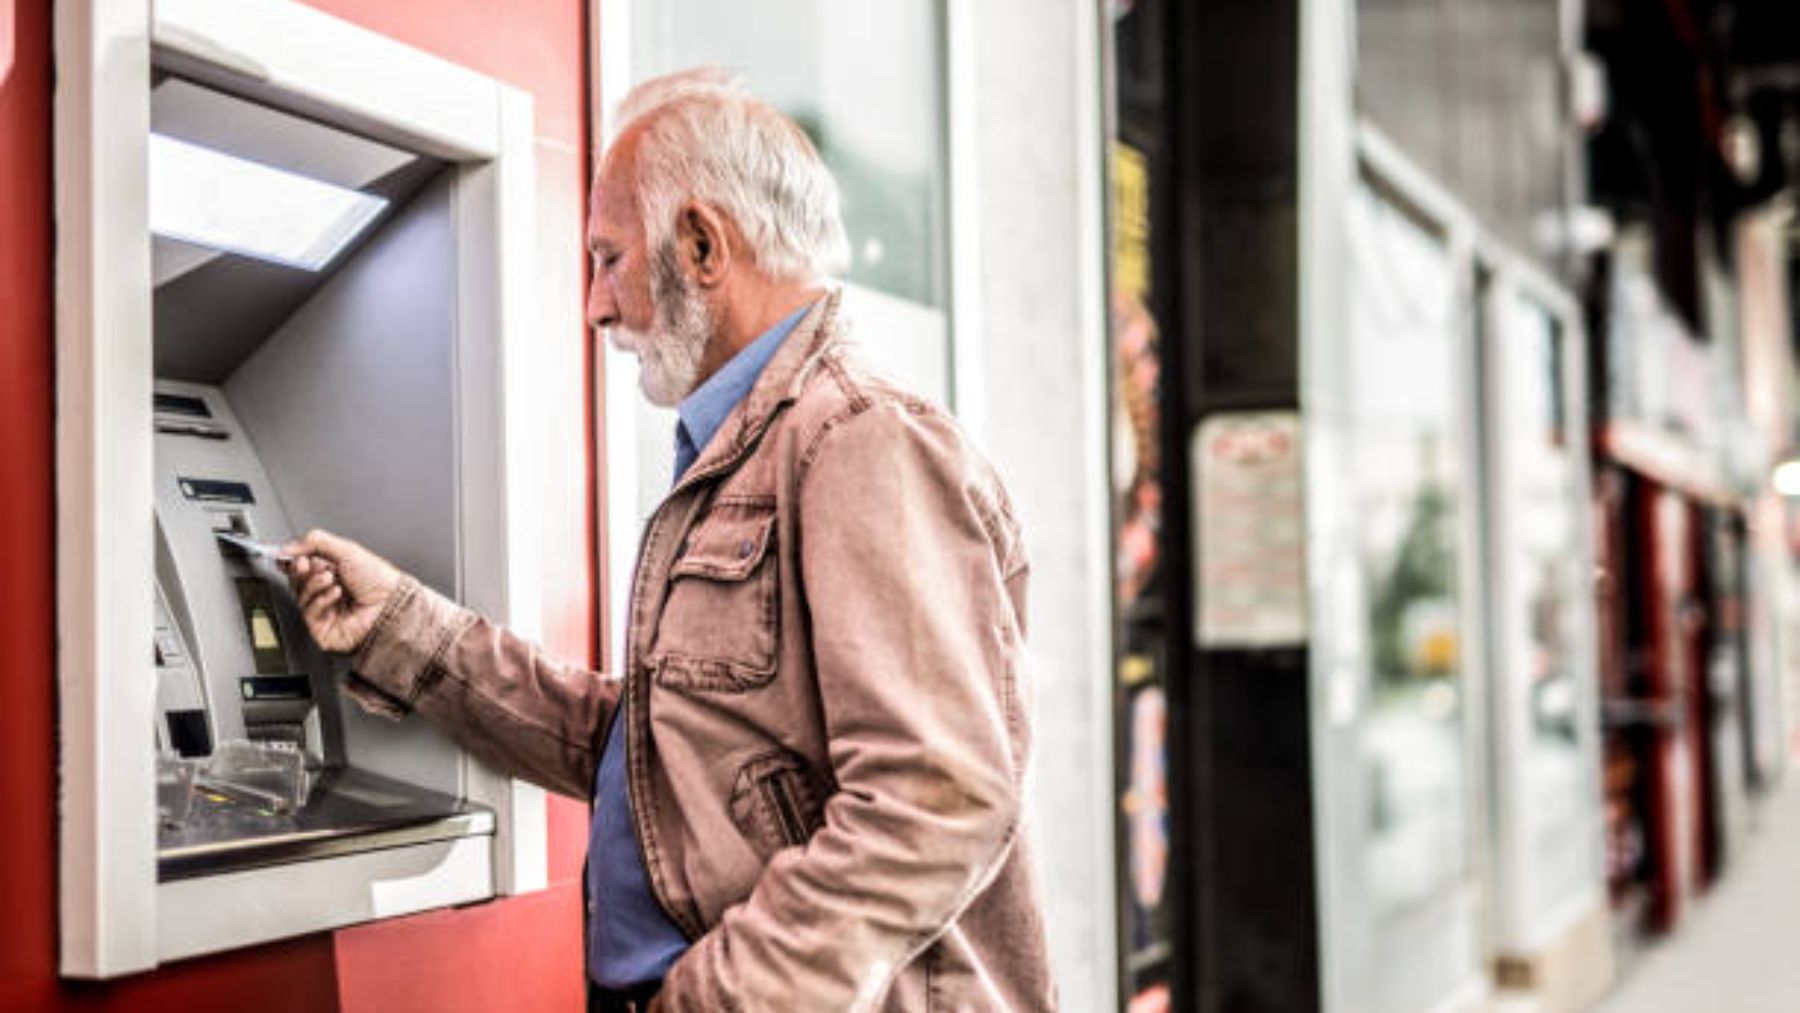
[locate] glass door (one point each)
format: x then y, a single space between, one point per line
1397 628
1547 828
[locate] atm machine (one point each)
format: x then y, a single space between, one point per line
305 383
333 328
235 666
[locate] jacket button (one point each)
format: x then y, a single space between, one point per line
745 548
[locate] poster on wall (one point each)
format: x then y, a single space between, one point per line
1137 461
1145 806
1250 520
1141 713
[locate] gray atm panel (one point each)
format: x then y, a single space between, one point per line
235 611
182 726
231 643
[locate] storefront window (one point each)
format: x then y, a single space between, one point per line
1537 545
1405 432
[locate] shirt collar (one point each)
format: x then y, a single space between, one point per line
705 410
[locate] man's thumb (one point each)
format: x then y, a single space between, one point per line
324 543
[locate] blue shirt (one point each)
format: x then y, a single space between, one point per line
705 410
630 939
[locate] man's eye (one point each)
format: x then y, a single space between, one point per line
607 262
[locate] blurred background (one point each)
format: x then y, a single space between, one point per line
1486 698
1398 395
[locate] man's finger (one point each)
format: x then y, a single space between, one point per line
318 610
296 568
317 585
323 543
291 554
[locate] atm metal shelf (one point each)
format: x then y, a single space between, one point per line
350 811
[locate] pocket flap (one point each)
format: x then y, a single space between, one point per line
726 547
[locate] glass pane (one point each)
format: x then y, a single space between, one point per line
1538 550
866 82
1404 431
1471 91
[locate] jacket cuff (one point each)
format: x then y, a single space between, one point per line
389 670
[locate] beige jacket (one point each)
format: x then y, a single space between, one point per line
824 693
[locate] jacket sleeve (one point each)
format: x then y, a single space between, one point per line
498 695
906 560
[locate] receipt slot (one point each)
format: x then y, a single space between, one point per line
293 283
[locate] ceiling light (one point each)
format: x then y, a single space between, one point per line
209 198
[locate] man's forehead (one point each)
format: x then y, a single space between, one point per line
609 218
611 208
604 224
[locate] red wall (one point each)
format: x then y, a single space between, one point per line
516 954
27 701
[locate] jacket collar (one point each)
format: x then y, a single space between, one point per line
781 382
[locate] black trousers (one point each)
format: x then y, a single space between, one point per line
635 999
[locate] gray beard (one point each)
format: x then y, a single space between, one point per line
669 356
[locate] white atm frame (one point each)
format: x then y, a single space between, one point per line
115 917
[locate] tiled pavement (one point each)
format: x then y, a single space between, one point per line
1739 951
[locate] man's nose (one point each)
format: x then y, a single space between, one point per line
602 310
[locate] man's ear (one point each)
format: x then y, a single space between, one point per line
705 247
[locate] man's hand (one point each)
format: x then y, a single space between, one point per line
341 586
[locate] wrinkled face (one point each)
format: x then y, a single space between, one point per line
642 297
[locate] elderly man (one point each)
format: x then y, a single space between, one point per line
807 786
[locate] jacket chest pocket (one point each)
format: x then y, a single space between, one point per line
718 626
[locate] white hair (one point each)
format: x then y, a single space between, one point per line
707 139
